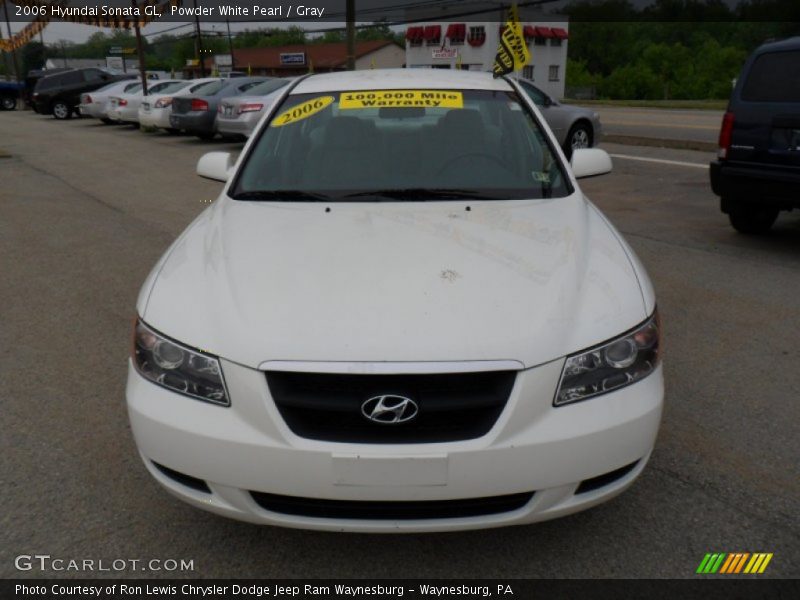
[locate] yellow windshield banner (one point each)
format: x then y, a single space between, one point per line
512 52
302 111
401 99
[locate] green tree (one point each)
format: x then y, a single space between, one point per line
32 57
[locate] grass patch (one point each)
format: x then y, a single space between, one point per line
685 104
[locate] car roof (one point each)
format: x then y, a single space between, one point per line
398 79
792 43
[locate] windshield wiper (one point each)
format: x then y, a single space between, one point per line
285 195
421 194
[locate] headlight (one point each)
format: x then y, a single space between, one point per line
610 366
178 368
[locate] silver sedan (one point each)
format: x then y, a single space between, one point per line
239 115
573 126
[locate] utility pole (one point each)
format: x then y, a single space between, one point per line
10 36
199 42
230 44
351 34
140 51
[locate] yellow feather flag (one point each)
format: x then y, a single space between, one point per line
512 52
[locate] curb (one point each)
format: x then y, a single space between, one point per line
635 140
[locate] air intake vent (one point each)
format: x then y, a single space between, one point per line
186 480
427 509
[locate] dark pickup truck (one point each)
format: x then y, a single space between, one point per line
10 92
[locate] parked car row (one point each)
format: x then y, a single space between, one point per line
232 106
174 105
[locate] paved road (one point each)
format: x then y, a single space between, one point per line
679 124
85 210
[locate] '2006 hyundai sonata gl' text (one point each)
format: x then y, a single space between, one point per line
401 314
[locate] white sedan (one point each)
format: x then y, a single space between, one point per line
239 115
401 314
124 108
154 111
95 104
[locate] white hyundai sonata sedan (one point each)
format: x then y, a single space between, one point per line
401 314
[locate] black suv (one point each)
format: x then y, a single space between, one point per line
757 173
60 94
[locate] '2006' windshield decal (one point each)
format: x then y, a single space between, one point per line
401 99
302 111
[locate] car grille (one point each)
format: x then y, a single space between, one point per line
451 406
426 509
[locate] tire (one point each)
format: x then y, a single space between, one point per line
206 137
8 103
752 220
62 110
172 131
580 136
107 121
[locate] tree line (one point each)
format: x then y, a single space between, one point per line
675 49
169 52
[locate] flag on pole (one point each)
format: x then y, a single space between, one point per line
512 52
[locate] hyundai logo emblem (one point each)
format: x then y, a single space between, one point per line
389 409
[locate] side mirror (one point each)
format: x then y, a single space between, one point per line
547 101
590 162
215 165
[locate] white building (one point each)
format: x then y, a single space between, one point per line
473 46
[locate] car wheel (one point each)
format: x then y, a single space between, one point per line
8 103
61 110
107 121
579 136
206 137
173 131
752 220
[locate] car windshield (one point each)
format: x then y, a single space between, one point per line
107 87
167 87
209 88
395 145
267 87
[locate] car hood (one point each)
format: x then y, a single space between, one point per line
528 281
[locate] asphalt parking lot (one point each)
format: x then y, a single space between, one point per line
87 209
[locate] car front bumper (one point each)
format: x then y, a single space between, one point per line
533 447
